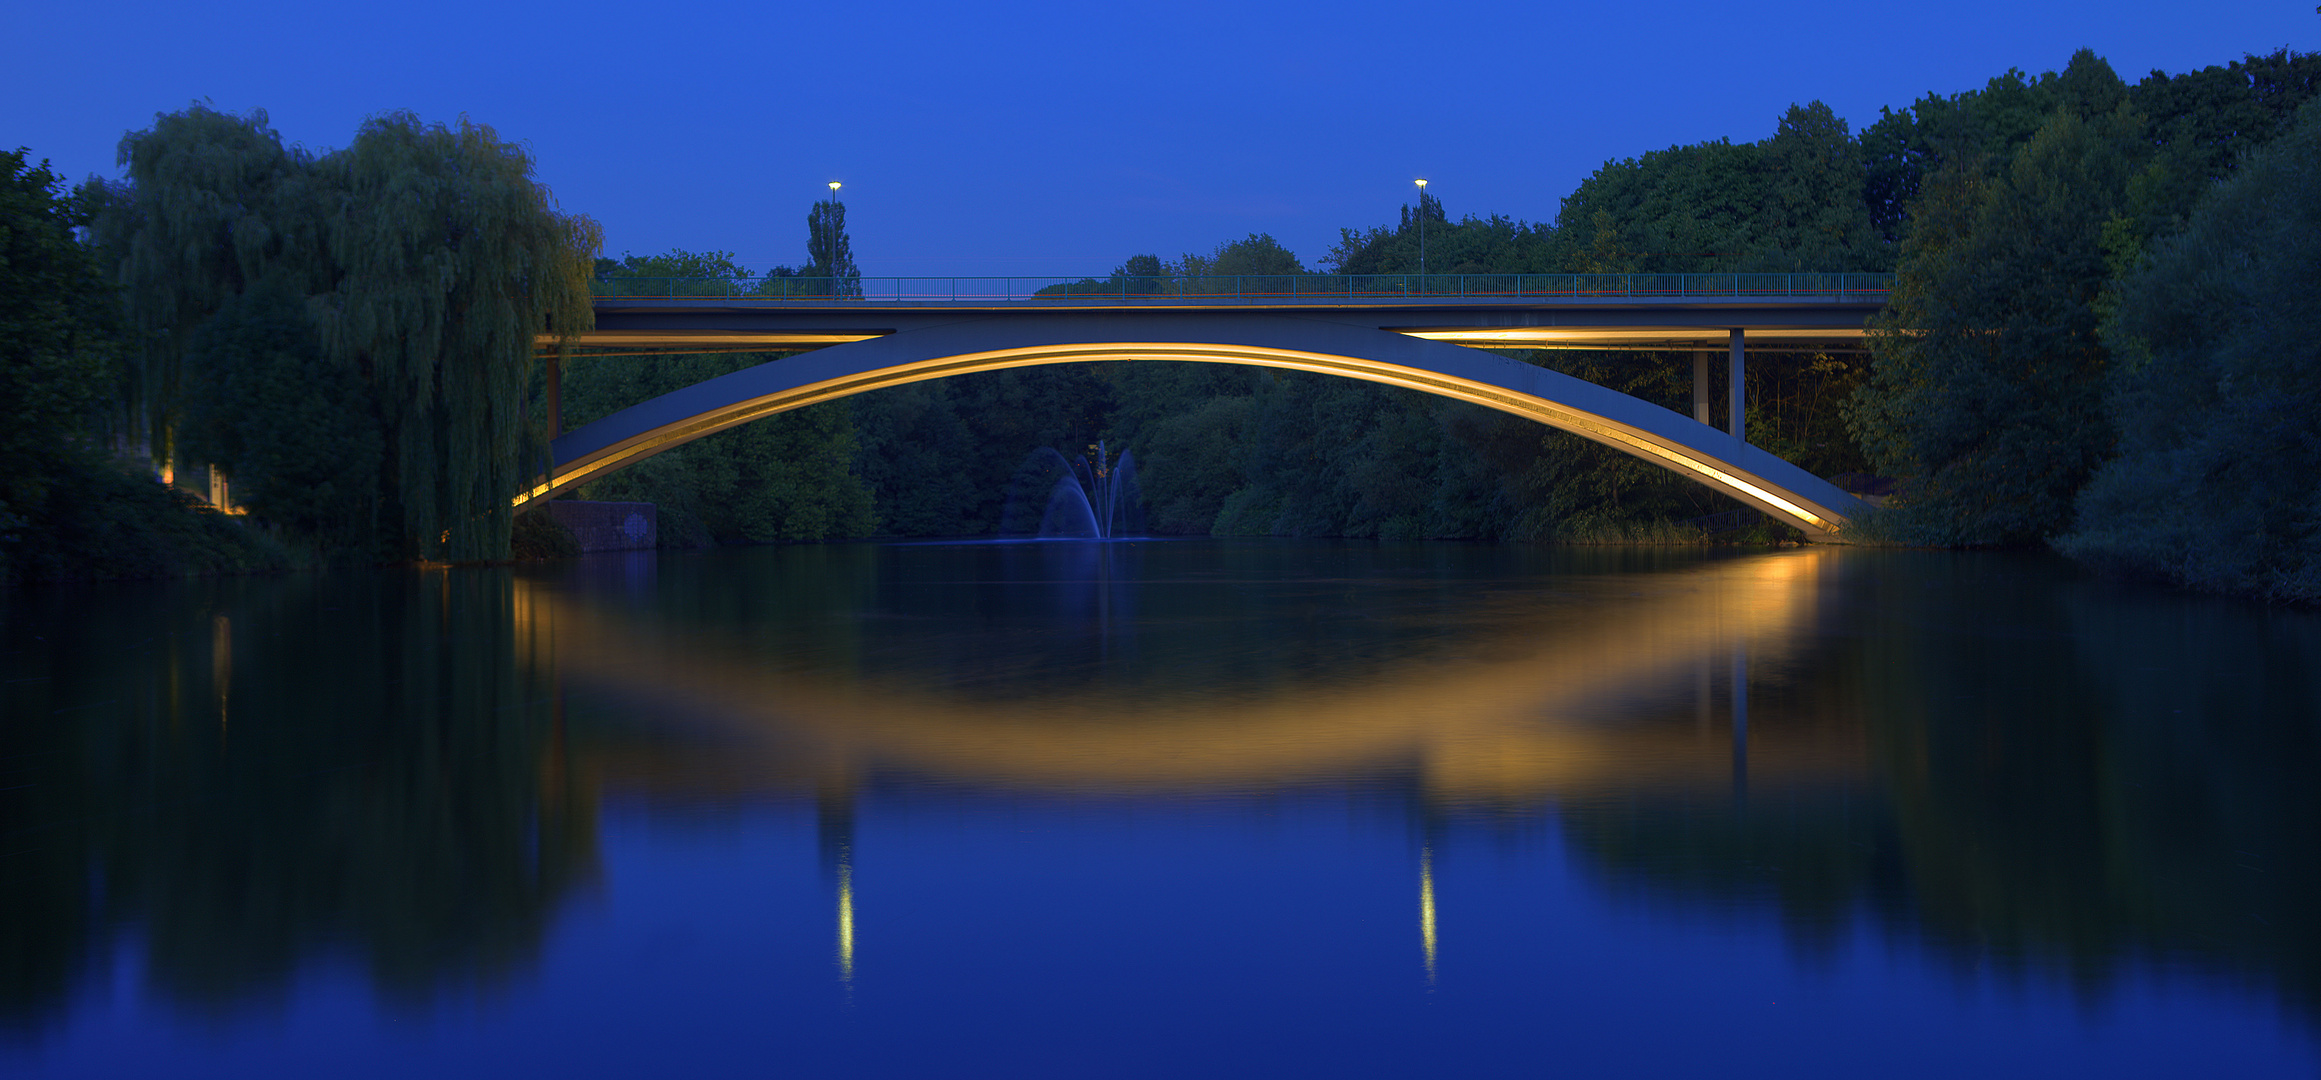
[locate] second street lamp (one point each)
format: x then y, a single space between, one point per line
830 224
1422 236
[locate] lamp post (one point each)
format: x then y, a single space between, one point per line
830 222
1422 236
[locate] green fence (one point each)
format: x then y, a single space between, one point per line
1274 288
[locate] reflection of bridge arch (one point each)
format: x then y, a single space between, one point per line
1540 705
1631 425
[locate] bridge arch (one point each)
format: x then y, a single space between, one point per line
993 342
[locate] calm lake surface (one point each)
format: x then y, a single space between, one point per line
1162 809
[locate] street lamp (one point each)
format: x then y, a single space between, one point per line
830 222
1422 234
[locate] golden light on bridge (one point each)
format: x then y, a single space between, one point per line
1591 337
1600 429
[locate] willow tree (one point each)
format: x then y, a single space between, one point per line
429 263
452 261
213 202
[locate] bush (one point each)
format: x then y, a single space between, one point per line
536 535
100 521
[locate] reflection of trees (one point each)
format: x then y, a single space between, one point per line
279 770
2066 778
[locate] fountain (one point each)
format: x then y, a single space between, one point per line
1092 497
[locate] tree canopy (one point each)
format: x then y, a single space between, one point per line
59 337
428 263
2218 480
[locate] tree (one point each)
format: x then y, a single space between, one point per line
213 202
1986 381
1814 217
2217 484
692 271
1493 245
452 261
291 426
58 333
428 261
1257 254
2200 126
1906 148
789 477
1797 201
829 254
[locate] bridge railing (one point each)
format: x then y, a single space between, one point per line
1257 288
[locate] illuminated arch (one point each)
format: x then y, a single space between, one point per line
1631 425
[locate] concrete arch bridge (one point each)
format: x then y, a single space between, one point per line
1434 340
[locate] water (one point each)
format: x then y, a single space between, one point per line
1161 809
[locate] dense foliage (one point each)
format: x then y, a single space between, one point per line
2020 202
67 510
2218 479
1987 387
2083 277
56 347
354 336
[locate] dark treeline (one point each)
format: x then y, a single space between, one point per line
350 338
2043 229
2089 346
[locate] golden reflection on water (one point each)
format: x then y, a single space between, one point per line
846 919
1426 907
1541 703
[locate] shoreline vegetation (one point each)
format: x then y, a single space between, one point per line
2093 346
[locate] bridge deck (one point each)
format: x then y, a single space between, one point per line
1642 312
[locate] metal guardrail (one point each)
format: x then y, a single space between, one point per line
1273 288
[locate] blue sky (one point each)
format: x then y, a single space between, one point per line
1039 138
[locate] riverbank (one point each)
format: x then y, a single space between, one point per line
97 522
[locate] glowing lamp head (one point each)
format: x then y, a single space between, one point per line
1421 184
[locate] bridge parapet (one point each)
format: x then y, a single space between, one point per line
1268 289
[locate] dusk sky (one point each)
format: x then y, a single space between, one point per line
1036 138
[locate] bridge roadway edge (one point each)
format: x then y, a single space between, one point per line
1002 340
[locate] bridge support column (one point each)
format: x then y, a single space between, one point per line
1700 385
555 394
1739 391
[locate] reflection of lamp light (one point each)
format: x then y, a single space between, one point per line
1422 235
846 912
1426 908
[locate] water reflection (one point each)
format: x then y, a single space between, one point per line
1426 908
1977 757
248 777
1486 695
